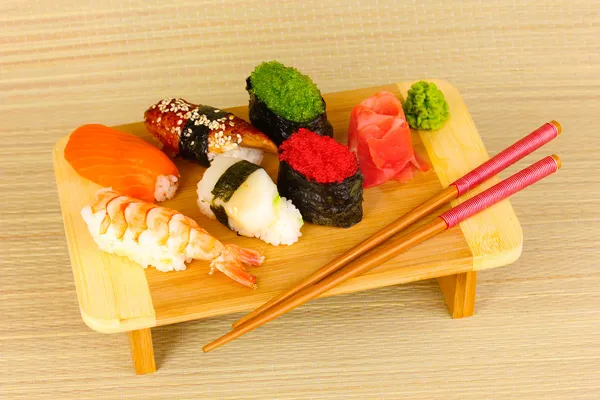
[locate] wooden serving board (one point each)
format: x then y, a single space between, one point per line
117 295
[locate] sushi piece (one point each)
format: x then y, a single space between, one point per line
242 196
321 177
199 132
161 237
120 160
380 136
283 100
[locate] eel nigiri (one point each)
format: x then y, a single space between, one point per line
199 132
120 160
164 238
242 196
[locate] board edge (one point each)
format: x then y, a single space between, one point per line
101 325
482 259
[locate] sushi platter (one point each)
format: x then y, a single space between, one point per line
115 294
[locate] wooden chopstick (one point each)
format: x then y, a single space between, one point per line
502 160
450 218
375 240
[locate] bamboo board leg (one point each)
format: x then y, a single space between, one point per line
142 351
459 293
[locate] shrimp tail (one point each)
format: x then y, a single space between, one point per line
249 257
231 262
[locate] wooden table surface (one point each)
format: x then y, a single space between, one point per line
535 329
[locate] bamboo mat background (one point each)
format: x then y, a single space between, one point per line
535 333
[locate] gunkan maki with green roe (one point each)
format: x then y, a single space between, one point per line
283 100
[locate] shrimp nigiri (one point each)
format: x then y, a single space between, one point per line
122 161
164 238
200 132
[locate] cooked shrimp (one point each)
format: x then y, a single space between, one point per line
162 237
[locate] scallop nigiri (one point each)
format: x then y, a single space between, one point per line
199 132
161 237
242 196
120 160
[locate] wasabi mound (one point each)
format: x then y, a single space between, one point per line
425 108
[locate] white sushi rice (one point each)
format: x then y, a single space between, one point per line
165 187
146 251
254 156
255 209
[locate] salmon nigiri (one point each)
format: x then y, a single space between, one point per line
120 160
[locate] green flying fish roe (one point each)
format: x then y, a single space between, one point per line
287 92
425 107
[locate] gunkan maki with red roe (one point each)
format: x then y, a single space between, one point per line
321 178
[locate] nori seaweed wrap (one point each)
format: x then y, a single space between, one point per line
227 184
322 179
282 100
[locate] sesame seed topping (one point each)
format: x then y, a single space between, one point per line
179 122
172 105
158 119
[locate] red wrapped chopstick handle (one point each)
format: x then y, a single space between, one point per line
505 158
502 190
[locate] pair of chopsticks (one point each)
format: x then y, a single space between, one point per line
334 273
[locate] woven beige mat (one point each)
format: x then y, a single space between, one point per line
535 333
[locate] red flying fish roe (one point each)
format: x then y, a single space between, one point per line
318 158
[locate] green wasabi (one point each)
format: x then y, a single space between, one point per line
425 107
287 92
